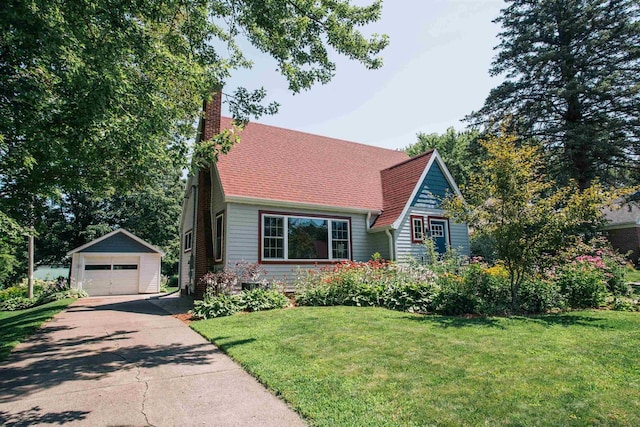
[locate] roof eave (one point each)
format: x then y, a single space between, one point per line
435 157
298 205
114 232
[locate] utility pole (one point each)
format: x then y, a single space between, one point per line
31 262
31 233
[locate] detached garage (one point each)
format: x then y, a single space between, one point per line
118 263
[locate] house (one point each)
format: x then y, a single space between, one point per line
623 230
288 200
118 263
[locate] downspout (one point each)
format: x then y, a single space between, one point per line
391 248
368 220
192 258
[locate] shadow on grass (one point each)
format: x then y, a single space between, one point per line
218 341
459 322
15 328
561 319
564 319
33 416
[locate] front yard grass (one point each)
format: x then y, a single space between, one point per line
15 326
371 366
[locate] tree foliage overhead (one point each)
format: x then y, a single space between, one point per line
96 96
459 150
572 72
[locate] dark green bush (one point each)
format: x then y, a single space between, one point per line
582 285
540 296
216 306
414 297
13 292
456 296
173 281
225 305
260 299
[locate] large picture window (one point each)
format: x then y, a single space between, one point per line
296 238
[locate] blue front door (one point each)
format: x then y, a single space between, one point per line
440 234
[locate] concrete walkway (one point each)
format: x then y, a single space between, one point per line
126 361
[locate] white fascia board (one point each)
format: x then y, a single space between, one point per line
119 230
435 157
296 205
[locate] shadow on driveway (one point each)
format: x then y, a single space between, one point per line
64 351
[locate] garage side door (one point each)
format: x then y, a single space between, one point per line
106 275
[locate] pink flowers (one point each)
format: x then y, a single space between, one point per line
596 261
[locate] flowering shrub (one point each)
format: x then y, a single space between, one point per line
223 282
372 283
490 285
581 277
582 283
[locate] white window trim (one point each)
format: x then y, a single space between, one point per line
285 232
414 238
445 229
218 257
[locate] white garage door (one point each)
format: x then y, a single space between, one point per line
111 275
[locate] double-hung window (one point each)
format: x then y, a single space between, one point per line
219 237
288 237
417 229
187 241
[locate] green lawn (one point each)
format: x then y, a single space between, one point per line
633 276
15 326
371 366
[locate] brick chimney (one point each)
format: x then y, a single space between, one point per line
212 113
204 232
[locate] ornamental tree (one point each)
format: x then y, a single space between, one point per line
527 217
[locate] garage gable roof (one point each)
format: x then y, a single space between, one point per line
119 240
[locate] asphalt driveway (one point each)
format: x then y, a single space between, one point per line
126 361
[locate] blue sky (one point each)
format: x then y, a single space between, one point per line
435 72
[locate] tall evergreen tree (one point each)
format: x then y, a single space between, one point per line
572 72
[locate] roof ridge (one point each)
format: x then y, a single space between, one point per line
411 159
321 136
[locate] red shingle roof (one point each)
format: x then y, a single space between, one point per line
398 182
285 165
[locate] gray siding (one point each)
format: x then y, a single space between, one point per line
187 225
118 243
243 223
406 250
379 242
